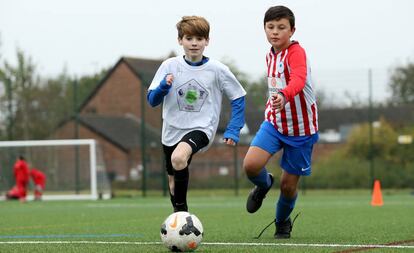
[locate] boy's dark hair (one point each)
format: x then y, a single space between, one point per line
21 157
193 25
278 12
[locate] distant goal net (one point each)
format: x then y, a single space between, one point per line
74 169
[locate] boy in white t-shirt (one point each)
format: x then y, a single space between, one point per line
191 89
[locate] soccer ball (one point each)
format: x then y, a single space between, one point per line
181 231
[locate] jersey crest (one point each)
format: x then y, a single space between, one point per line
191 96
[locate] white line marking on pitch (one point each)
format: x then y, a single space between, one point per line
319 245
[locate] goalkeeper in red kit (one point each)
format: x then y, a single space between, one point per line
21 175
39 180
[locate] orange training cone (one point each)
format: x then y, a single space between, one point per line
377 195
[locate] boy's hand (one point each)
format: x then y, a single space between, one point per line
229 141
169 78
278 102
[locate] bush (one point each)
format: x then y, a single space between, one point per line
349 166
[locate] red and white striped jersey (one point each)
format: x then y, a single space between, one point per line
288 72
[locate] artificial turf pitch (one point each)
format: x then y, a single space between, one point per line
329 221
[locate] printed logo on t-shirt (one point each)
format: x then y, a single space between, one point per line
191 96
274 85
280 68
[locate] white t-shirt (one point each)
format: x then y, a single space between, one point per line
194 100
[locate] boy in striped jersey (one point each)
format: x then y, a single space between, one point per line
290 120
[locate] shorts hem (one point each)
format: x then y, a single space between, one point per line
297 172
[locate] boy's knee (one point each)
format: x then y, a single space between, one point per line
251 167
288 190
179 162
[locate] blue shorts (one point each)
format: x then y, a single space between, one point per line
297 150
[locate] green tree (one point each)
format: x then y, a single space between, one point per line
258 92
348 166
240 75
52 104
19 82
402 84
38 105
3 101
403 153
383 143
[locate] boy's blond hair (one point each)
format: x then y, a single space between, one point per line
193 25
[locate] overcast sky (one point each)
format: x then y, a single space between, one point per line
343 39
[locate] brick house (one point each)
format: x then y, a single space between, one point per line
112 115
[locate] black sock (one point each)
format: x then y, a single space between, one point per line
172 199
180 189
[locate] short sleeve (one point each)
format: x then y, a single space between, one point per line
230 85
159 75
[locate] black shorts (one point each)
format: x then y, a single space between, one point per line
196 139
